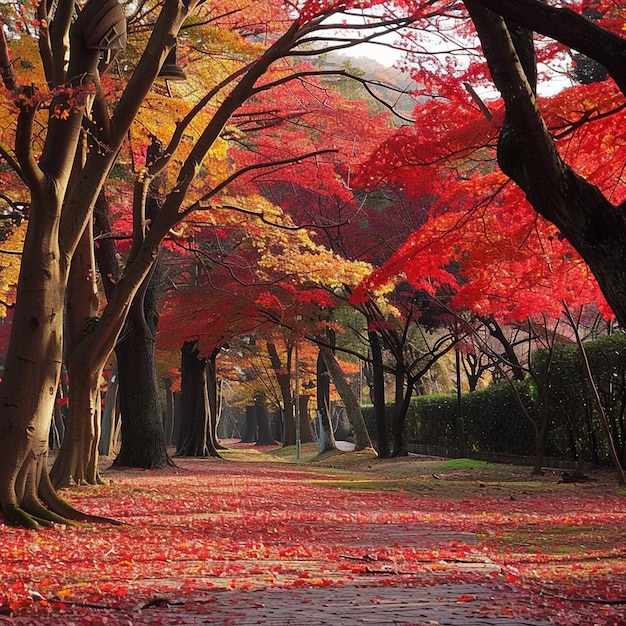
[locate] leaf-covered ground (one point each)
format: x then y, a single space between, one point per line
545 550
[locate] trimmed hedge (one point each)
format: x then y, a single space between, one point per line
493 421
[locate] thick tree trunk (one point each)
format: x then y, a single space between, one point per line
143 441
195 437
143 438
263 420
193 418
77 461
252 426
31 375
362 439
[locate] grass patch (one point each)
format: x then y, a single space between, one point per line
557 539
464 464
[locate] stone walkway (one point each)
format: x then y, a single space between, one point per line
350 605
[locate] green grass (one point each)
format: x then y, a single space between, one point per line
464 464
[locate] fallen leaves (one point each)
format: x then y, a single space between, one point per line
212 526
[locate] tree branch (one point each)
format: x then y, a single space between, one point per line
569 28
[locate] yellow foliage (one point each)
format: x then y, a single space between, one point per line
10 266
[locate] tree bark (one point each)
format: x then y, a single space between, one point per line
110 417
306 434
143 439
362 439
263 420
252 426
213 443
77 461
194 402
382 428
35 352
400 409
283 376
326 432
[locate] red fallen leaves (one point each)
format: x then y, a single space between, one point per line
213 526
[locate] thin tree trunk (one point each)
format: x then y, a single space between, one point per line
213 443
326 433
400 409
382 428
283 376
109 416
306 434
362 439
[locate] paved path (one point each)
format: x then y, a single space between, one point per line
349 605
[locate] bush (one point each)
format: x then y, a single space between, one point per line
493 419
495 422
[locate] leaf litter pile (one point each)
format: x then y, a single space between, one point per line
545 549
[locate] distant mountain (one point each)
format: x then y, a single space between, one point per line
369 69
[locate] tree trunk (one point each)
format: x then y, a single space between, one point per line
306 434
263 419
31 375
541 435
194 403
326 433
77 461
252 426
213 443
283 376
110 417
401 408
168 415
362 439
143 440
382 428
196 437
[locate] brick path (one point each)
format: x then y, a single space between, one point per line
350 605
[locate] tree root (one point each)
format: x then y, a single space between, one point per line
61 507
18 517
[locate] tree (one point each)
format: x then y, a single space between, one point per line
74 65
579 190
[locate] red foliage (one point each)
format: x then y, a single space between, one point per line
482 240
